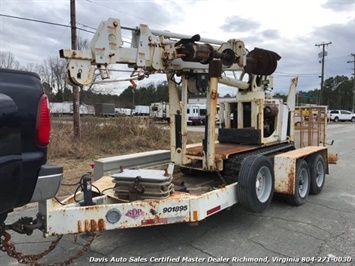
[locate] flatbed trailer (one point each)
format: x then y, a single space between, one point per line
194 198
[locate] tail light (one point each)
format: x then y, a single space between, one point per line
43 123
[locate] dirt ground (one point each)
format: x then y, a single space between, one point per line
73 170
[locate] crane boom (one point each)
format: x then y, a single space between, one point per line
162 52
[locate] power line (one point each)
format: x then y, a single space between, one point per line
44 22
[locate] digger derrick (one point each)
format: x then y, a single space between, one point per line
252 155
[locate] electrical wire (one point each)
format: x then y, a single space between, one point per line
106 190
98 190
59 201
76 191
44 22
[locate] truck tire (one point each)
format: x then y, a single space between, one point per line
302 184
255 186
353 119
317 170
336 119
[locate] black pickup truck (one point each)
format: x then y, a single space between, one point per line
25 126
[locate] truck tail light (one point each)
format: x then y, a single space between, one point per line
43 123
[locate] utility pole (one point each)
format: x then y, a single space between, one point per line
76 95
322 54
353 61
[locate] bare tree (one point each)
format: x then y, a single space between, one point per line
82 44
53 71
31 67
8 60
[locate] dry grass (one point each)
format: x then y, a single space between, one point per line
103 137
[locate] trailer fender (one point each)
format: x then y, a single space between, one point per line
285 167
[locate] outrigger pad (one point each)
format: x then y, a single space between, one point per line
239 136
134 184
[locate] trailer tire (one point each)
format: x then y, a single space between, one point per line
302 184
255 186
317 169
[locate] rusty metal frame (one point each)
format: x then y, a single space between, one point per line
285 167
178 208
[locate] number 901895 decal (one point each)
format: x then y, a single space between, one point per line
175 209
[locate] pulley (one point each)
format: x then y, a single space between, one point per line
197 83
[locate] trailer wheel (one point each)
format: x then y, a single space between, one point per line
255 183
302 184
317 169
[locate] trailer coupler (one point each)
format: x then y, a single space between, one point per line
24 225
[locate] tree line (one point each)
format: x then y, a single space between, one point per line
337 92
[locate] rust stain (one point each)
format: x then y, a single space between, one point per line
93 207
278 186
80 227
332 158
124 225
290 183
102 225
87 226
93 225
151 204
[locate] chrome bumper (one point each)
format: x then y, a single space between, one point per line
49 179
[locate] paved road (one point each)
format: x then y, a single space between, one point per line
322 229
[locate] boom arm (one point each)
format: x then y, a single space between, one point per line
163 52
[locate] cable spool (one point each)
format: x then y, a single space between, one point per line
261 62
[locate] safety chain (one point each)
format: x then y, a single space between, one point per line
31 260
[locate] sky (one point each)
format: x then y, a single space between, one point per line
290 28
